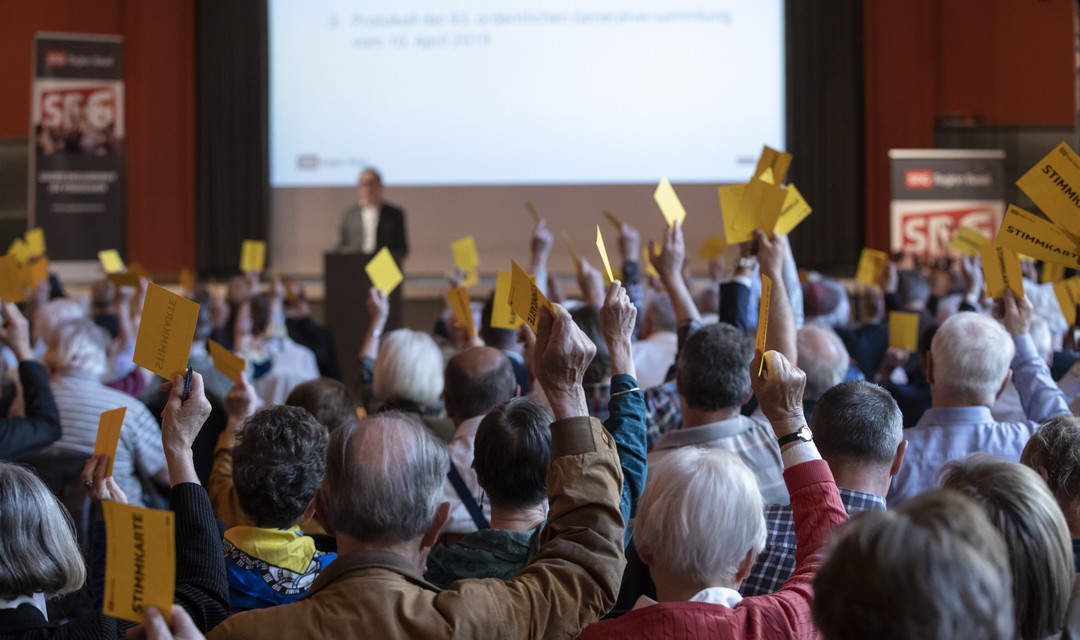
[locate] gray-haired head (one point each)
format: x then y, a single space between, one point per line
1054 453
384 479
857 422
823 357
970 355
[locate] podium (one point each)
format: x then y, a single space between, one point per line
347 284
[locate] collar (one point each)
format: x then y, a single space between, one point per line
286 548
37 601
363 560
693 436
946 416
722 596
860 500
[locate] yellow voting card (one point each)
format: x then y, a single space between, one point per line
730 198
187 280
383 272
459 304
110 260
613 219
502 315
466 257
872 267
712 248
252 256
608 276
165 332
532 212
669 203
1001 268
1028 234
226 361
20 250
777 161
968 241
108 435
129 278
1066 293
759 207
37 272
904 331
650 270
11 280
1054 185
570 248
794 211
763 317
35 241
1051 273
140 560
526 299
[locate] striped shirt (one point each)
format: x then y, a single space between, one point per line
81 400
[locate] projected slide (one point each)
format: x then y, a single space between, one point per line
523 92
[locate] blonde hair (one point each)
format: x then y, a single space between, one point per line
409 367
38 550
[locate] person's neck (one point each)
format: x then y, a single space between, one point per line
864 478
671 589
522 519
410 550
940 400
699 417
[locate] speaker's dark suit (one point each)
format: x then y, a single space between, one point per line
390 231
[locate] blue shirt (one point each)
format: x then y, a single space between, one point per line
777 561
951 433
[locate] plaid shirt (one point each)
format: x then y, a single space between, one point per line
777 561
663 412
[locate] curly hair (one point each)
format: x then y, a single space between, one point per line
278 463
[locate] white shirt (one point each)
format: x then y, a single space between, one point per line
369 217
713 595
653 356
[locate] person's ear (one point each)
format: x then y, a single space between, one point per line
1004 384
745 567
517 391
898 459
928 367
442 514
309 512
322 513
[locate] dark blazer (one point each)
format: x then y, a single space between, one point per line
390 232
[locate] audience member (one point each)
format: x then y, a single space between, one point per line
655 352
22 436
824 359
330 401
1054 453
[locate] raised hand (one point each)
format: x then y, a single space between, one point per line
97 484
561 355
617 318
15 331
779 391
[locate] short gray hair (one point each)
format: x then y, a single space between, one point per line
409 367
972 354
823 357
79 345
857 421
38 551
384 479
1019 504
932 569
700 515
1055 449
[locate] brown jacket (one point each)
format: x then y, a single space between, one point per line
571 583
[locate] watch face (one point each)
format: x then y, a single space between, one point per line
805 434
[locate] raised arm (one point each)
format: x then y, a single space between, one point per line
781 336
20 437
539 251
240 404
669 264
1039 395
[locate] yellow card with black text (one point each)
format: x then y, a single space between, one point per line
502 315
968 241
669 203
140 560
1054 185
1026 233
1001 269
904 331
763 317
383 272
108 435
226 361
165 332
526 299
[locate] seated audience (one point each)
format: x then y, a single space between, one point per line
857 430
968 366
655 352
304 331
700 528
1036 536
934 569
824 359
40 559
278 464
330 401
1054 453
382 497
40 426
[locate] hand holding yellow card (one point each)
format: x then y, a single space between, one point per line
252 256
669 203
383 272
1054 185
140 560
763 318
526 299
873 265
1026 233
165 332
777 161
608 277
459 304
110 260
1001 268
502 315
108 435
226 361
730 199
904 331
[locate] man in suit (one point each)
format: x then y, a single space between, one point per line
372 224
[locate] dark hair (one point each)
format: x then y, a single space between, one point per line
492 336
278 463
912 286
512 453
468 393
714 368
330 401
587 318
857 421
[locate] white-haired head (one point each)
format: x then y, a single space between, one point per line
700 518
970 356
78 346
410 368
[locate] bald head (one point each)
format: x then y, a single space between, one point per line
384 478
477 380
823 357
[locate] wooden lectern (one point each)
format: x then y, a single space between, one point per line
347 286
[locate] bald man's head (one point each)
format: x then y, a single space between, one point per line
384 479
477 380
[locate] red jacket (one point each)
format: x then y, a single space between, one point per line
817 508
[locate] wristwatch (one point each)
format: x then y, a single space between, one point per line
803 434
